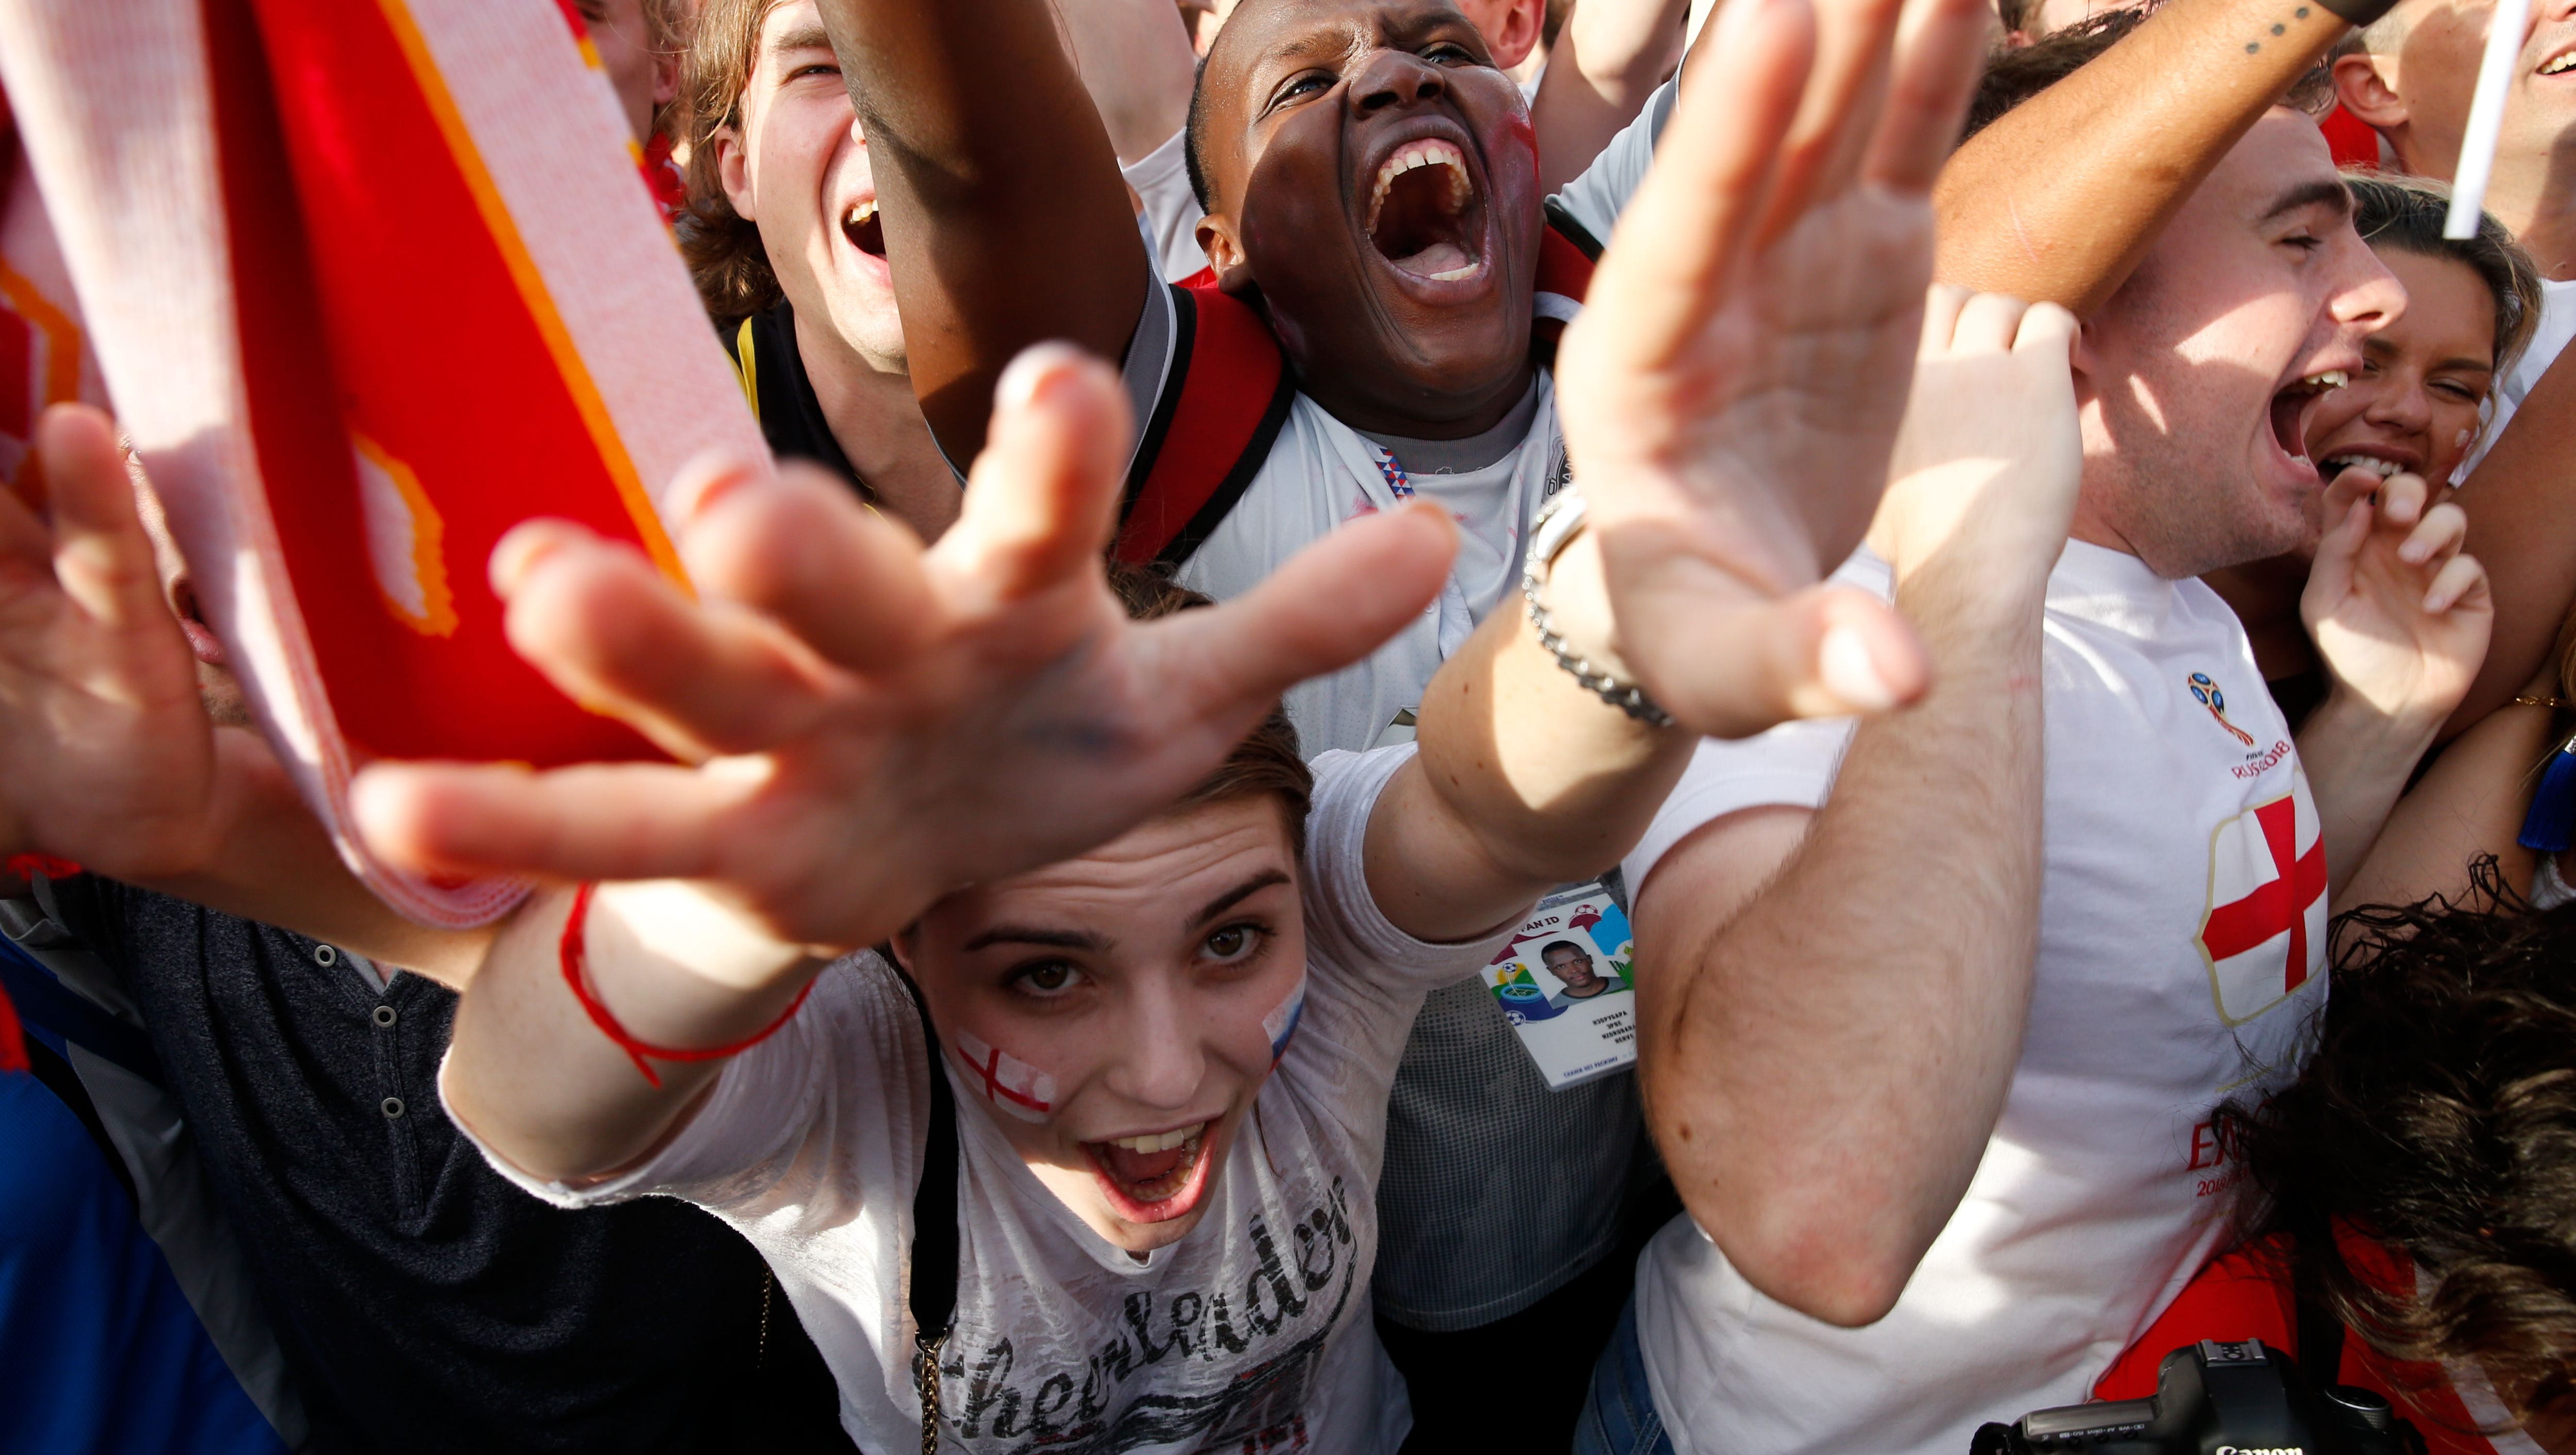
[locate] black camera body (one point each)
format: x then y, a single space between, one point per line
2216 1397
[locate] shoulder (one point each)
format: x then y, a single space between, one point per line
1224 399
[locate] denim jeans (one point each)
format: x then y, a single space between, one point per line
1620 1418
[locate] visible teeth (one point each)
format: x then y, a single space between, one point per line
1452 274
2330 379
1160 1141
860 214
1420 154
2384 469
2562 63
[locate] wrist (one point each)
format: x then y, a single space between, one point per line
2348 714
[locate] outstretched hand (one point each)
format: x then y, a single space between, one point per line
1732 390
113 761
866 724
2399 615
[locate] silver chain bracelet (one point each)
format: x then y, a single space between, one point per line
1557 522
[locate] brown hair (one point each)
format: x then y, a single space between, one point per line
2438 1116
2407 213
2014 74
1267 761
723 248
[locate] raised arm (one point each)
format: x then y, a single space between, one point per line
871 725
1832 1003
1006 222
1135 57
1608 59
1676 386
2058 200
2522 531
113 760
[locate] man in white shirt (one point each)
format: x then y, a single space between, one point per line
1933 1013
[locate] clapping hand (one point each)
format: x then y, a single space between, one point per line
1732 391
863 724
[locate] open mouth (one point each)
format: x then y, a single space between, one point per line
2559 64
2290 410
861 227
1154 1177
1424 214
2333 465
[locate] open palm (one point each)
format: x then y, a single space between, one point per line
1734 386
865 725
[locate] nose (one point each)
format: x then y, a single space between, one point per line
2367 297
2402 405
1395 78
1162 1062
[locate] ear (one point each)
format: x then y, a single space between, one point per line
1517 33
666 78
733 173
1225 254
2366 94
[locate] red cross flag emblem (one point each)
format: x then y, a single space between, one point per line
2264 934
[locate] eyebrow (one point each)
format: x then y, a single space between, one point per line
1029 935
1239 894
803 38
2318 193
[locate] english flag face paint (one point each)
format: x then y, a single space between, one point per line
1016 1087
1281 1024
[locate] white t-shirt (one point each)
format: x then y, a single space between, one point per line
1172 213
1320 473
2556 326
2182 863
1253 1332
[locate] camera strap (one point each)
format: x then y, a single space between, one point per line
931 1276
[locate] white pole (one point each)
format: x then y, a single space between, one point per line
2486 118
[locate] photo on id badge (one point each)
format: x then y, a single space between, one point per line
1564 984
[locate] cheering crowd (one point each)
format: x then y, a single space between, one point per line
2011 554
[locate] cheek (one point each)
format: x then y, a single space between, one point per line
1023 1076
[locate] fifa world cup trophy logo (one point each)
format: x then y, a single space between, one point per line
2216 701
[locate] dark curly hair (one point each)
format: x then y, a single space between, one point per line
2438 1116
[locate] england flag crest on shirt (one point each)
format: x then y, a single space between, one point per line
2264 932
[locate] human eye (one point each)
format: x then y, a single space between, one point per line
2461 390
1235 943
1448 52
1044 979
1303 84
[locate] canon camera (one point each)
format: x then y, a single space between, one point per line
2216 1398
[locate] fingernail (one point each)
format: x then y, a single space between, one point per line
701 484
1843 661
1029 373
518 554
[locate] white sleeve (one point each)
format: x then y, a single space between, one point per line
1171 217
826 1110
1595 199
1792 765
1343 922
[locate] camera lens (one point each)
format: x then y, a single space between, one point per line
2369 1409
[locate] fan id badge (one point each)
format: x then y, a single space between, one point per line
1566 985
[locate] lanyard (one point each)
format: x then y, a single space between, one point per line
1398 483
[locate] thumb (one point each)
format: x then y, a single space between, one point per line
1827 651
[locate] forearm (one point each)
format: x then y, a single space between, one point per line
1823 1069
1006 221
2521 530
1135 57
2357 759
1525 779
545 1087
2469 803
2057 201
1608 59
